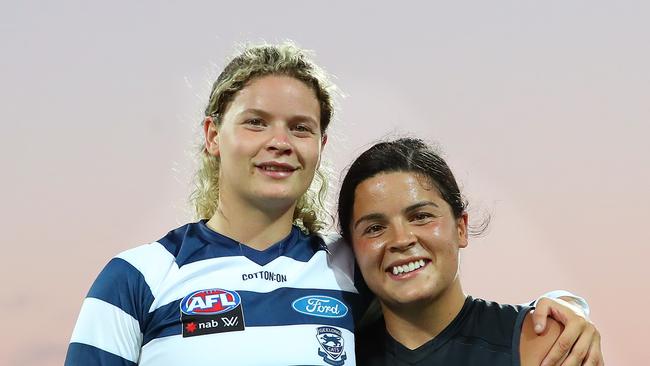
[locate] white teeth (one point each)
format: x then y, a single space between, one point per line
274 168
409 267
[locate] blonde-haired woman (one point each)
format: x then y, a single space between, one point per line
250 283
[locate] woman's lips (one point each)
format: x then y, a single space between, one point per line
276 170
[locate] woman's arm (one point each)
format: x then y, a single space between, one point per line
109 330
533 347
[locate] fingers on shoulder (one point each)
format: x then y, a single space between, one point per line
534 347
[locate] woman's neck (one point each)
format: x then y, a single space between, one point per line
413 325
254 226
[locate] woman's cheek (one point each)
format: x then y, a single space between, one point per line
365 251
375 251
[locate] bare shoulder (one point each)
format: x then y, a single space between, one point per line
533 347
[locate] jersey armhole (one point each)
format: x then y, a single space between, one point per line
516 334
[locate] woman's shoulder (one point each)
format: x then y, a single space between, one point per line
162 250
495 311
144 264
512 326
337 249
492 322
331 239
340 260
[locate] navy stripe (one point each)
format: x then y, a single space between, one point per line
196 241
80 354
173 240
165 321
257 309
257 313
123 286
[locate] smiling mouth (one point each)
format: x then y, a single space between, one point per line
276 167
276 170
407 267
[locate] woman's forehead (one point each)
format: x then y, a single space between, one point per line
394 188
275 97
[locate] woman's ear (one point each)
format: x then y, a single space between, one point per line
211 132
461 224
323 141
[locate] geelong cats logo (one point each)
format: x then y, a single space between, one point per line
331 345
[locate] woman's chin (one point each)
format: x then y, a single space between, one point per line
409 299
276 199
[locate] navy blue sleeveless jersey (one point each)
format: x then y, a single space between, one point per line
196 297
483 333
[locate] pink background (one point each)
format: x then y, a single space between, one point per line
541 107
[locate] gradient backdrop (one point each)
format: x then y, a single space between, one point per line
542 108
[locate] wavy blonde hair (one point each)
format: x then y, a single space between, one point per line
253 62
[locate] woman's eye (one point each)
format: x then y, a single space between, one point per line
303 129
255 122
373 229
422 217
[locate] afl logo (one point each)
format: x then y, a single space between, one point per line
323 306
212 301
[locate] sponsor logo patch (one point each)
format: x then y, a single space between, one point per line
265 275
211 311
331 345
323 306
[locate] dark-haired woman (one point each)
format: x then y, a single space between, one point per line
401 209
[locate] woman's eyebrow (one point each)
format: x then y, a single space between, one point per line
420 204
368 217
303 118
378 216
259 112
266 114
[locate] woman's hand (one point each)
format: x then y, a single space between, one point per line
579 343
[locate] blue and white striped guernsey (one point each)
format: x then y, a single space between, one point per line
196 297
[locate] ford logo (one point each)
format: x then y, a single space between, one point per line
324 306
212 301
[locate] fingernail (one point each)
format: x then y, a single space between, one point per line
539 328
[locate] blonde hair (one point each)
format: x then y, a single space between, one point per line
287 59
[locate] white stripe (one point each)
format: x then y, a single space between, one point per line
109 328
154 262
341 257
321 272
252 346
168 283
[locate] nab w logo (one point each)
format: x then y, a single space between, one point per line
230 322
212 301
